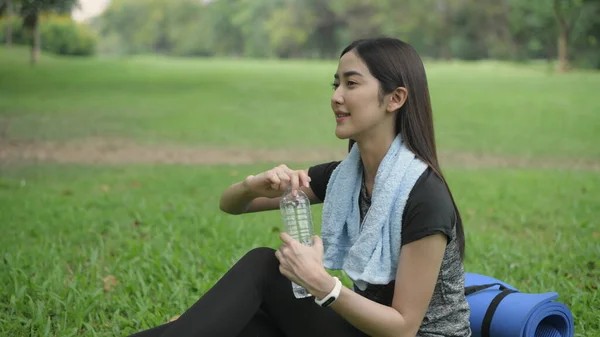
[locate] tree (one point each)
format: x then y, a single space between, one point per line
31 10
170 27
584 39
566 12
289 28
9 19
323 37
532 27
461 29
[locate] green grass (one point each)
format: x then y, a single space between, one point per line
483 108
159 232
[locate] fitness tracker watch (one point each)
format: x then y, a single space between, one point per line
332 296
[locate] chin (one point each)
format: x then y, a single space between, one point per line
340 134
345 133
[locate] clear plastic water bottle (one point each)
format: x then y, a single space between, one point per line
297 222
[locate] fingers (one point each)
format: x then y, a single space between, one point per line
298 178
286 238
278 255
318 243
282 178
287 177
285 180
295 180
286 251
282 268
304 178
277 179
273 179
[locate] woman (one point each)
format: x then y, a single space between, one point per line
404 256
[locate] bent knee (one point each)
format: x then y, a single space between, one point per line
261 255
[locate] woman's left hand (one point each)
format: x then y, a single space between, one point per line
303 264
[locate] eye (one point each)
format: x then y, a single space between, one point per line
351 83
335 85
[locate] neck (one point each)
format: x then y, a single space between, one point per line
372 151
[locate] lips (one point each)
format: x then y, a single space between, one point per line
340 114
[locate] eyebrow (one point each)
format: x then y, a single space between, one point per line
348 74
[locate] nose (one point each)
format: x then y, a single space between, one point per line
337 98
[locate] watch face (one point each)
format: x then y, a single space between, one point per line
328 302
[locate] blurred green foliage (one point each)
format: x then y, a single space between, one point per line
59 34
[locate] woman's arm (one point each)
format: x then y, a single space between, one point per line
418 268
262 192
237 198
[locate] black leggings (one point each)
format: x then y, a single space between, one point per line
254 299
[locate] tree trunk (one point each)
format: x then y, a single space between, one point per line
563 60
505 31
565 19
446 33
36 41
9 26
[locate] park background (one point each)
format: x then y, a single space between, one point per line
122 122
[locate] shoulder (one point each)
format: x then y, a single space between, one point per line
319 175
429 209
431 190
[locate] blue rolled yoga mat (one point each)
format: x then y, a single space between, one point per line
500 310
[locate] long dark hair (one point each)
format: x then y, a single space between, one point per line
394 64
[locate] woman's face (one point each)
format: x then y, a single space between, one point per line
355 101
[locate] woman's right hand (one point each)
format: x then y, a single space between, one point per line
274 182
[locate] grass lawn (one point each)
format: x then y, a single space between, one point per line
483 108
159 233
106 250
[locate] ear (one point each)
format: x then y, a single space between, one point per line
397 99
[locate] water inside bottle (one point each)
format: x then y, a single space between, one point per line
297 217
297 221
299 291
